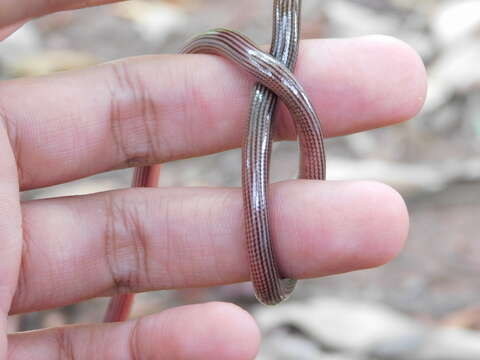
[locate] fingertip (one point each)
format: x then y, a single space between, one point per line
409 75
337 227
362 83
386 220
215 331
235 330
371 225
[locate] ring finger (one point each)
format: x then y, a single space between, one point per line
208 331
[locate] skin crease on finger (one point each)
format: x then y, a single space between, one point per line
205 331
157 108
71 253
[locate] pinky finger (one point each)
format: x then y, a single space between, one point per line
207 331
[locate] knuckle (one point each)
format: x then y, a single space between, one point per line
11 130
136 336
133 110
21 296
126 246
64 344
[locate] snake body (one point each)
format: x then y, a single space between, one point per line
275 80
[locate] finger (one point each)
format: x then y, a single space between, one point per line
8 30
161 108
10 233
12 11
145 239
208 331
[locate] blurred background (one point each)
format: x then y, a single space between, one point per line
425 305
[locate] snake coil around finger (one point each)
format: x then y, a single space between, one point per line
273 73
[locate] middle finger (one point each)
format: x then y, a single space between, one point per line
147 239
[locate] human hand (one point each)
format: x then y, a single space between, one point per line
156 109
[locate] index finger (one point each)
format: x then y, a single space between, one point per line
161 108
12 11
